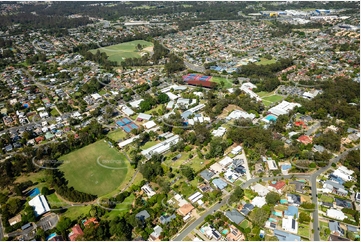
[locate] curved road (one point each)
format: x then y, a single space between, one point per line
311 177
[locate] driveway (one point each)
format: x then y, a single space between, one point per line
48 222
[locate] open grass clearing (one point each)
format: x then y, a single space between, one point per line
264 94
265 61
273 98
117 135
244 224
325 198
304 230
95 169
159 107
227 82
125 50
149 144
75 212
121 208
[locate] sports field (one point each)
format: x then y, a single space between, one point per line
117 135
227 83
271 99
95 169
125 50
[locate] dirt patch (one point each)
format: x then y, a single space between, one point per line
228 109
148 49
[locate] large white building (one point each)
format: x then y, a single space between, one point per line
344 173
283 108
236 114
40 205
161 147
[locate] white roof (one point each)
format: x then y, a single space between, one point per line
226 161
170 105
258 201
272 164
171 96
144 116
40 205
135 104
128 141
195 197
96 96
148 190
216 167
149 124
283 108
236 114
337 214
287 225
219 132
125 109
236 150
260 189
161 147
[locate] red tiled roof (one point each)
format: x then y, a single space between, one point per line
279 185
305 139
76 232
91 220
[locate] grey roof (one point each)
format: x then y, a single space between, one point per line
207 174
343 203
142 215
234 216
296 198
299 186
186 114
319 148
334 184
157 230
352 228
166 219
219 183
335 226
247 208
284 236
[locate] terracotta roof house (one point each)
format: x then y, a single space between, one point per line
91 220
185 209
277 186
304 139
76 231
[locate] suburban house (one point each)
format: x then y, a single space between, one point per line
219 183
290 225
336 214
260 189
155 236
206 175
285 236
335 228
185 210
164 219
277 186
294 199
234 216
142 215
234 234
76 231
14 220
247 208
148 190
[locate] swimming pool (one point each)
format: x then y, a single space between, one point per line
272 220
286 167
225 231
283 201
270 117
279 214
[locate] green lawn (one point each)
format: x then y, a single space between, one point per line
273 98
149 144
54 112
325 198
244 224
197 164
187 189
154 109
304 230
120 209
227 83
75 212
95 169
265 61
54 201
117 135
263 94
323 226
124 50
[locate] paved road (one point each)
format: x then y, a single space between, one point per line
1 229
316 235
190 228
312 177
313 128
